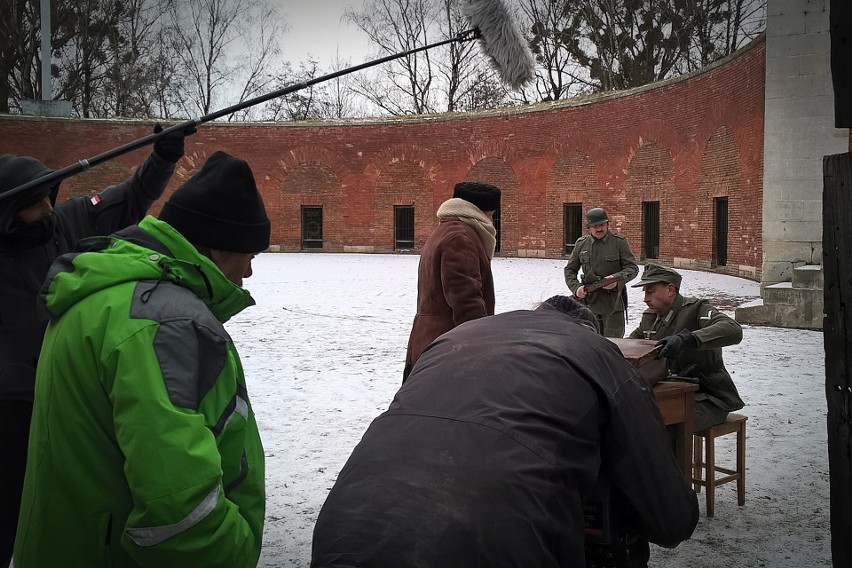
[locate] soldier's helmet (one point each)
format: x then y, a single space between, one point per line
596 216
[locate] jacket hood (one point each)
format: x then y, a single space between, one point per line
151 251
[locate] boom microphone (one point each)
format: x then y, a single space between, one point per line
502 43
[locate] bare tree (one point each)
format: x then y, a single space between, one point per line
484 91
162 79
19 43
556 75
134 69
79 39
98 51
100 54
207 37
604 45
342 100
308 102
466 81
260 65
723 26
200 33
402 86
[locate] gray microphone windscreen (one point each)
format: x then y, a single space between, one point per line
502 42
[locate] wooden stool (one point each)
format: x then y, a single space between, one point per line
707 462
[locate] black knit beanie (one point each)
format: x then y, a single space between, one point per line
483 195
220 207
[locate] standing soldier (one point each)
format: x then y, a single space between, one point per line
608 264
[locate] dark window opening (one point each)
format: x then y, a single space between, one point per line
651 229
497 229
572 225
403 227
311 227
720 236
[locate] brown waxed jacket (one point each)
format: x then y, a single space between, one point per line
454 284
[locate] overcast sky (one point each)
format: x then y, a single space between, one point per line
316 29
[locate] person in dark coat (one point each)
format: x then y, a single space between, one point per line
492 447
454 281
692 332
32 235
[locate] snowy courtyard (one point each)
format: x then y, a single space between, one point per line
323 352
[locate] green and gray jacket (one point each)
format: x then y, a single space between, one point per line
144 449
598 258
712 330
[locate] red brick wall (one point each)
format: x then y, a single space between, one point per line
682 143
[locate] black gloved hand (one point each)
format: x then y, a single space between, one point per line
674 344
170 146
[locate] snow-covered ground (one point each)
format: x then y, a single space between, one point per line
323 352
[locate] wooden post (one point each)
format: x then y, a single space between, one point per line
837 332
840 22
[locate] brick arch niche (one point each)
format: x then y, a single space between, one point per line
309 184
573 179
718 178
402 182
495 171
650 177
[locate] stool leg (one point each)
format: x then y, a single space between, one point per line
710 468
697 466
741 464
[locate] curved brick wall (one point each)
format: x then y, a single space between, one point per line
682 143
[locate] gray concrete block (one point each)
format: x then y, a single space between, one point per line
809 276
790 24
799 231
791 254
808 188
781 315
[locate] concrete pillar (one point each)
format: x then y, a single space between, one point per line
799 131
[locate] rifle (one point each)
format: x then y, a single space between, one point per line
598 284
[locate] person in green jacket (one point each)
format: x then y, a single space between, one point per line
602 254
692 333
144 450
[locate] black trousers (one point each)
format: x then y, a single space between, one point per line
15 418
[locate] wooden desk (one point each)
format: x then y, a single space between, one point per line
677 405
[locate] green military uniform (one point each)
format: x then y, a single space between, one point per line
717 395
599 258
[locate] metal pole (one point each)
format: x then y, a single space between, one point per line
46 91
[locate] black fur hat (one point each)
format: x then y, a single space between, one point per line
483 195
220 207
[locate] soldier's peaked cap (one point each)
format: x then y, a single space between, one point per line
655 273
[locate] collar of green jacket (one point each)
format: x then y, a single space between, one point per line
114 260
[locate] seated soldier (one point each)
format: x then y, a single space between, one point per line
692 333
